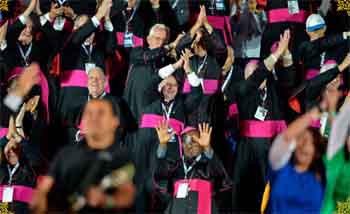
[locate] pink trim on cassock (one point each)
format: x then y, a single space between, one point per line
210 87
43 84
78 78
312 73
261 129
152 121
233 110
222 23
204 189
137 41
20 193
3 132
282 15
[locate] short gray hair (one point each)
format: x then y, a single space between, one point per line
158 26
98 69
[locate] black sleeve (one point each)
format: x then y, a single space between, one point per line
192 99
315 85
111 42
286 77
83 33
254 81
14 31
222 182
145 56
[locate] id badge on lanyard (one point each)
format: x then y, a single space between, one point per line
219 4
183 190
293 6
7 194
128 39
261 113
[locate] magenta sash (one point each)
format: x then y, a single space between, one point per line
204 189
210 86
43 84
312 73
137 41
261 129
77 78
152 121
282 15
222 23
20 193
3 132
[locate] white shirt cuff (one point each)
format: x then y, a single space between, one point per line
45 18
109 26
95 21
166 71
13 102
345 35
3 45
193 79
23 19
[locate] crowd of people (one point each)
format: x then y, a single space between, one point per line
174 106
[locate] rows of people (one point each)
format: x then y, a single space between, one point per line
174 106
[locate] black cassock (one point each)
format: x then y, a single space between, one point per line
74 56
146 136
78 167
143 79
280 19
250 165
206 181
321 52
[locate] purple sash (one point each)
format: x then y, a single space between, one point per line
20 193
283 15
261 129
137 41
210 86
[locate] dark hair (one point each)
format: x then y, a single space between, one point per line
317 165
206 42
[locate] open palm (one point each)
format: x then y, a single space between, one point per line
162 131
204 135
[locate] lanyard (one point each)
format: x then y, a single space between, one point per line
227 80
88 53
175 4
25 55
167 112
187 170
264 97
201 66
323 56
12 172
129 20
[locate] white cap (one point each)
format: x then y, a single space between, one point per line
315 22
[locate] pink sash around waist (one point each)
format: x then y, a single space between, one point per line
312 73
77 78
283 15
20 193
210 86
261 129
204 189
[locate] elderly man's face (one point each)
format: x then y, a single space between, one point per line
26 35
170 89
158 39
96 82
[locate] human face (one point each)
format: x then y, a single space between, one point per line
305 150
96 82
192 148
252 5
11 152
157 39
99 120
170 89
26 35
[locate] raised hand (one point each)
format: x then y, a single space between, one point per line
32 104
162 131
177 40
229 60
55 11
69 12
186 55
103 9
345 64
30 8
3 31
204 135
27 80
283 43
